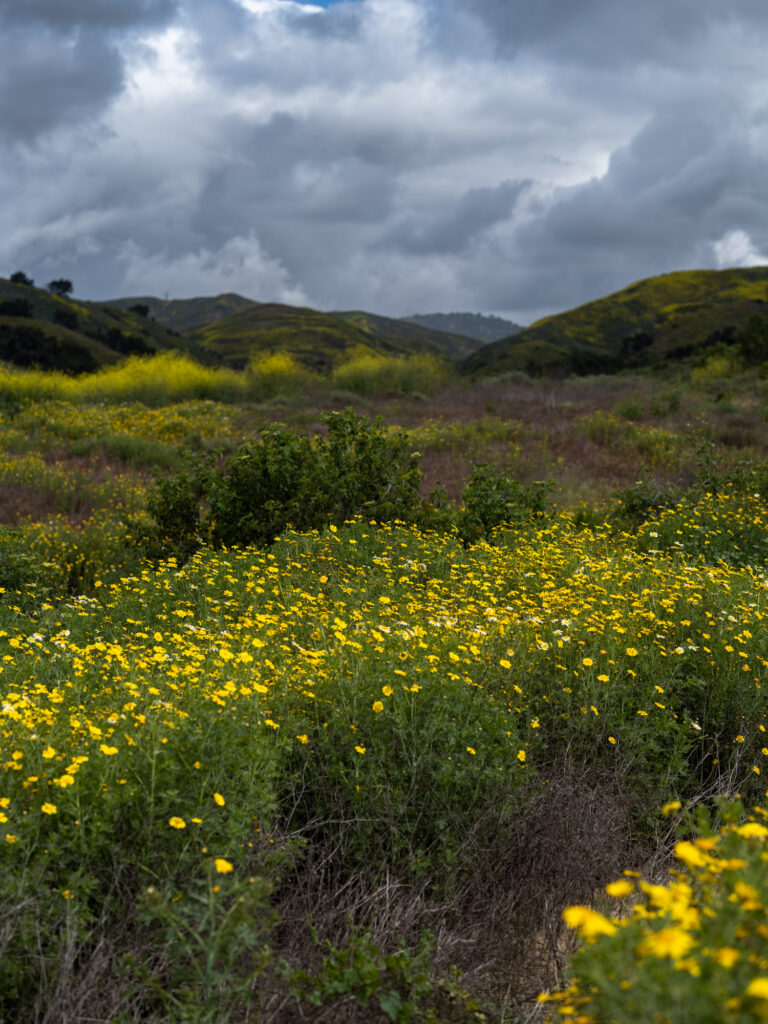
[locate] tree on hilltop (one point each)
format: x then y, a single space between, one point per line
19 277
61 286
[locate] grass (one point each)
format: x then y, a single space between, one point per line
360 773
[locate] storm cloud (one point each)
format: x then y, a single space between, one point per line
391 155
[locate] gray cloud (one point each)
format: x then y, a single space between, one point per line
451 230
93 15
46 80
60 62
394 155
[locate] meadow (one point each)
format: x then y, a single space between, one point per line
498 757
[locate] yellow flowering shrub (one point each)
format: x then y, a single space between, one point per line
692 949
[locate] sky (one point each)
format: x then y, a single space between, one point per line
513 157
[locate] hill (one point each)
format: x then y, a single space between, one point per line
319 340
231 328
185 314
653 322
472 325
415 337
38 328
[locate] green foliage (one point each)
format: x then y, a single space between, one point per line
210 979
490 500
638 501
691 949
399 983
358 468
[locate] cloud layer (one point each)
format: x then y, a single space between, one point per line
393 155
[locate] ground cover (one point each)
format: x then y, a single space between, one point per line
359 773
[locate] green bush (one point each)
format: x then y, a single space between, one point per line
490 499
286 478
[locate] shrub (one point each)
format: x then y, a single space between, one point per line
370 374
359 468
276 373
490 500
690 949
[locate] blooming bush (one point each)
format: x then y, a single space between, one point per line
692 949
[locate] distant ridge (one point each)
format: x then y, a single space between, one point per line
186 314
657 321
473 325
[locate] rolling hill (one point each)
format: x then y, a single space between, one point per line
186 314
38 328
483 329
653 322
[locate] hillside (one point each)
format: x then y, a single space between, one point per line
414 337
231 327
653 322
186 314
319 340
38 328
483 329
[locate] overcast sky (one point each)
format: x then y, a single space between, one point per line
516 157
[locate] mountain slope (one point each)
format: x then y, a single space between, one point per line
319 340
663 318
483 329
413 336
186 314
38 328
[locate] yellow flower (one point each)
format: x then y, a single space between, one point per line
505 664
378 706
758 988
360 750
303 738
387 691
631 652
752 830
176 822
670 808
49 752
587 662
588 922
623 887
726 956
107 750
521 756
222 866
49 808
219 799
690 855
471 750
669 942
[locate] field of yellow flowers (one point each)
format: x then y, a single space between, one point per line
363 771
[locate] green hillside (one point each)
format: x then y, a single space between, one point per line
660 320
483 329
414 337
38 328
318 340
186 314
231 328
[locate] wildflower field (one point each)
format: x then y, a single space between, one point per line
382 769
